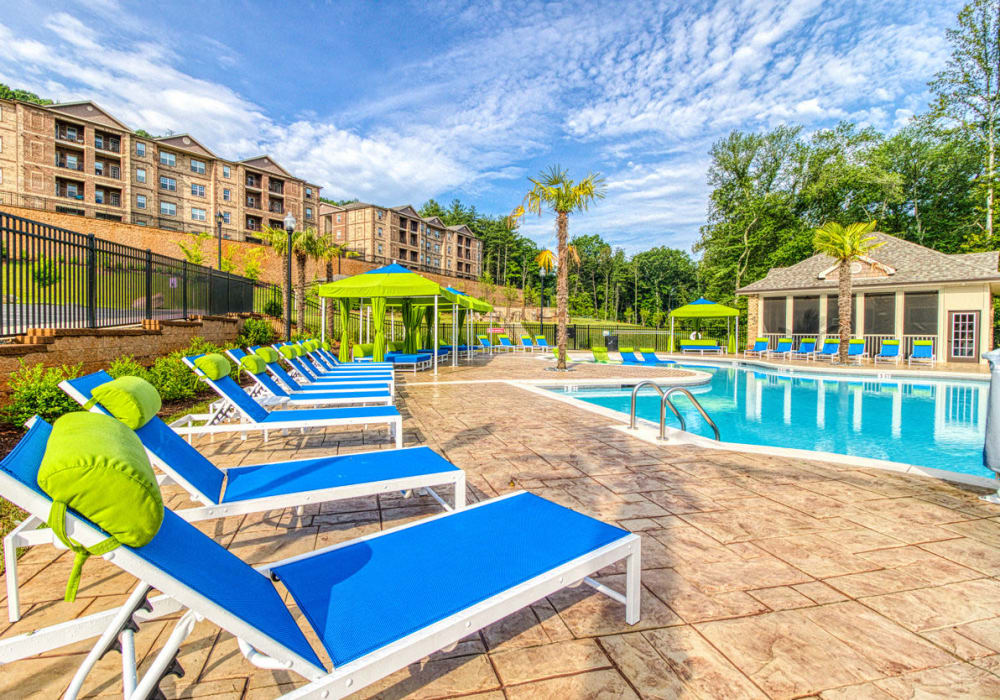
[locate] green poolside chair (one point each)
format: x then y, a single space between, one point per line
600 354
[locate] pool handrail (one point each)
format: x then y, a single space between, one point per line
664 402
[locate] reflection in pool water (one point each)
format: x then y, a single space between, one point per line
937 424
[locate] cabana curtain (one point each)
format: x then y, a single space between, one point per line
345 316
378 318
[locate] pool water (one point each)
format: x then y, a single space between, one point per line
929 423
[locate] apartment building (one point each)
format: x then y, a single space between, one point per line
76 158
400 234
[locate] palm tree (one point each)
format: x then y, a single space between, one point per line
305 244
553 190
845 244
277 238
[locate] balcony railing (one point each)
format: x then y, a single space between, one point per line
63 135
253 182
873 342
106 144
69 194
276 188
253 204
63 163
276 207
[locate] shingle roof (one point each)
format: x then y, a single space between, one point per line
913 264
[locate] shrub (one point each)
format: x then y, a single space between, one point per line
46 272
273 308
127 367
34 389
173 379
256 331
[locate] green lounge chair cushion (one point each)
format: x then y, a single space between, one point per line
253 364
289 351
132 400
267 354
364 349
625 348
97 466
214 365
649 350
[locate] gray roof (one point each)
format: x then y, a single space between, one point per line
913 264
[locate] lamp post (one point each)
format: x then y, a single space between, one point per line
289 229
218 228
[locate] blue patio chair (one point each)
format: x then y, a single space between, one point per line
427 584
806 349
649 358
505 343
758 349
784 349
923 353
831 346
889 352
628 356
526 343
333 382
249 415
541 342
856 351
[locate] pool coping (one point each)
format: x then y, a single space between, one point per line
649 432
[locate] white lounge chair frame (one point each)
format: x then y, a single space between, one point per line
264 652
212 423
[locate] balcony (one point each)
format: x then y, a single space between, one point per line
253 203
253 182
276 207
69 132
253 223
276 187
70 189
107 142
103 168
112 198
70 161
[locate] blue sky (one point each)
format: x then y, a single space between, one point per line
395 102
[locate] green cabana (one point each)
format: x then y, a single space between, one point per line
704 309
394 285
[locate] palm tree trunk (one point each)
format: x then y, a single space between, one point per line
328 302
300 292
844 302
562 285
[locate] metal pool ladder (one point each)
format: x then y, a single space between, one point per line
664 402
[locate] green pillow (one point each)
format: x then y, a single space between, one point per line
132 400
97 466
288 351
313 345
214 365
325 345
253 364
267 354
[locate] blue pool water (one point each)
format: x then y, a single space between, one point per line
928 423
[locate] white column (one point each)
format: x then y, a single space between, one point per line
454 335
789 314
859 318
898 329
822 317
322 322
434 349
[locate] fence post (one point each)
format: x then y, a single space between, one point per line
149 284
91 281
184 288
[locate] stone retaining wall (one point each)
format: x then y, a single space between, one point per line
95 349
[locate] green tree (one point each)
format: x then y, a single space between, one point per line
192 251
307 244
845 244
967 91
9 93
252 267
553 190
331 250
277 238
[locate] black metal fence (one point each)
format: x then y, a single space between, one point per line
57 278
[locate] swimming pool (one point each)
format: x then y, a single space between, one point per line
923 422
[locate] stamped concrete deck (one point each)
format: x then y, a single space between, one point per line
763 577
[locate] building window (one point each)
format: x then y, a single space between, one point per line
197 190
309 192
379 248
99 196
379 213
309 212
338 218
168 158
1 144
140 201
774 315
833 314
1 176
880 314
140 148
225 171
168 183
226 195
920 313
140 174
225 216
380 231
805 315
198 166
168 209
197 214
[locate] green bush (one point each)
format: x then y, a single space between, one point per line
46 273
256 331
127 366
34 389
274 308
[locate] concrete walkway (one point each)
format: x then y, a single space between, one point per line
763 577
